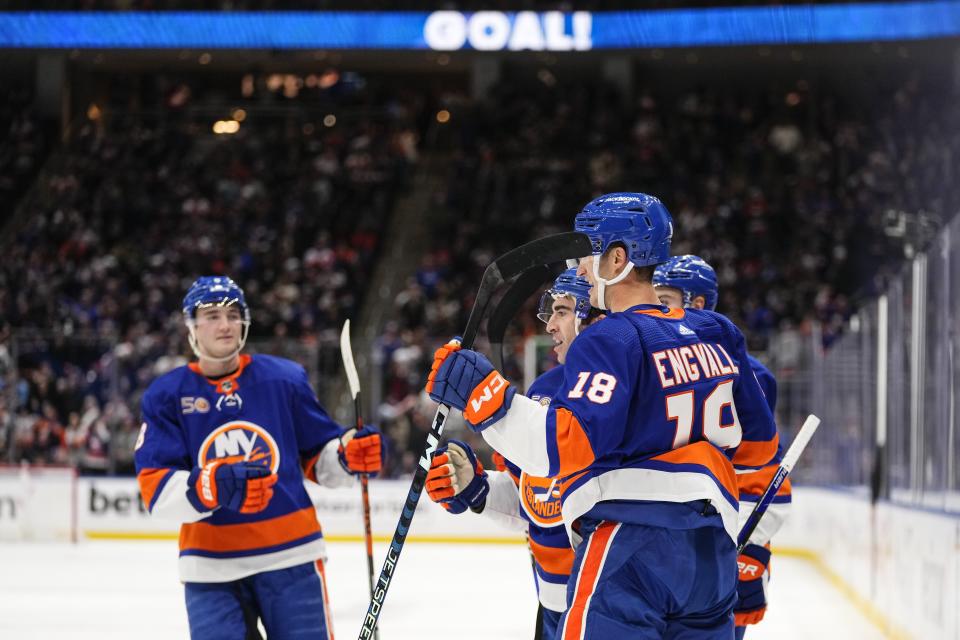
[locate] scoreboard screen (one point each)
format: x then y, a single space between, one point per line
482 30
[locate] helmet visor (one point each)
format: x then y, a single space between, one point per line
548 304
545 308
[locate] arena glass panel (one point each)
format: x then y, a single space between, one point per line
935 394
952 346
898 384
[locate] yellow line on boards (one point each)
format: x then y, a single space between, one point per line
432 539
129 535
163 535
864 606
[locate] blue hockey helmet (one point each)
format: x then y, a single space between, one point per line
211 291
638 220
692 275
570 284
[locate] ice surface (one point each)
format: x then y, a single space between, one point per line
108 590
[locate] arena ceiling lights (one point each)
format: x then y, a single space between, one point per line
483 30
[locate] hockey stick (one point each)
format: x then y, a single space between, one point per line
511 264
346 353
521 289
793 453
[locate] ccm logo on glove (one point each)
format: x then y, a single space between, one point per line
465 380
493 387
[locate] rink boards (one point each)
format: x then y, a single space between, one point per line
110 508
899 565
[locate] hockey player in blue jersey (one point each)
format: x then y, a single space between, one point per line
458 481
646 431
690 282
224 448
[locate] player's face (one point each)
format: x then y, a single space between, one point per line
670 297
585 269
562 326
218 330
611 265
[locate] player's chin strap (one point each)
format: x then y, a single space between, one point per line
603 283
198 350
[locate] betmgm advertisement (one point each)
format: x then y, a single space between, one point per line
111 508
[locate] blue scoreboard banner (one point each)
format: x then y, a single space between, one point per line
482 30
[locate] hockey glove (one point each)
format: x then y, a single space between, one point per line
753 564
246 487
456 479
361 451
466 380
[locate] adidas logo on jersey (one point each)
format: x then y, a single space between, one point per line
685 330
231 403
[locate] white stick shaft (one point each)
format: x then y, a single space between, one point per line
346 352
800 442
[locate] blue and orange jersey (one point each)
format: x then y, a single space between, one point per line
657 407
265 411
540 507
753 483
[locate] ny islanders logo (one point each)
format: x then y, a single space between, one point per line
540 498
240 441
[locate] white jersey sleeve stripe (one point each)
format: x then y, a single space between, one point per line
172 503
521 436
503 504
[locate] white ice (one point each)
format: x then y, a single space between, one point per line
123 590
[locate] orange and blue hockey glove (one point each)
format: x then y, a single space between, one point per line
246 487
361 451
753 564
466 380
456 479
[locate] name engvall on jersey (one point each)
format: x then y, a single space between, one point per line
690 363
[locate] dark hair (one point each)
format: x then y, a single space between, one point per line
641 274
645 274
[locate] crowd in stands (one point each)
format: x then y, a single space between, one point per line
786 194
25 139
135 207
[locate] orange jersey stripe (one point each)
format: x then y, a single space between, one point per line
227 383
249 535
587 580
705 454
149 480
499 462
310 468
573 445
673 314
756 454
755 482
327 618
553 559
